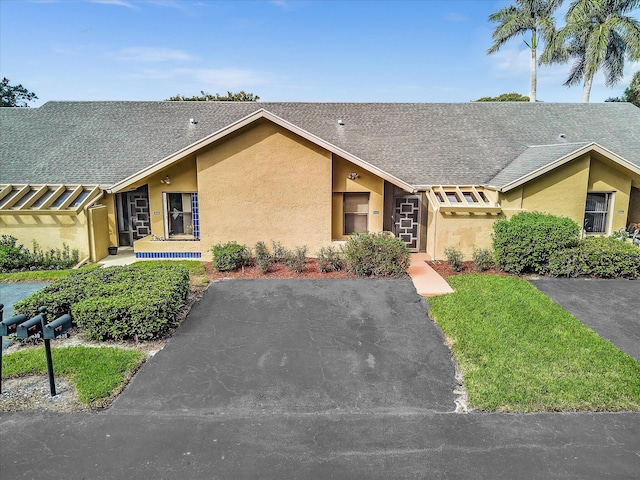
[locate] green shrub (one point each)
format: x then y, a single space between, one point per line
376 254
297 259
482 259
264 260
230 256
598 257
279 252
526 241
116 302
330 259
15 257
454 257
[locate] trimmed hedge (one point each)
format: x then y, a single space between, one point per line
116 302
526 242
598 257
376 255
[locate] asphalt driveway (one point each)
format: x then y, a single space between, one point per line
300 346
309 379
609 307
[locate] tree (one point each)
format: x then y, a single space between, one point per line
241 96
505 97
14 95
598 35
632 92
534 16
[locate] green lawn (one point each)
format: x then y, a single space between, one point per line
40 275
195 267
96 372
519 351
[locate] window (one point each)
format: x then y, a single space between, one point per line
356 212
181 215
596 212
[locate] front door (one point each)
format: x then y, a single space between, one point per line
133 216
406 221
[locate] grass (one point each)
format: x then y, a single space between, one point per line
518 351
195 267
40 275
96 372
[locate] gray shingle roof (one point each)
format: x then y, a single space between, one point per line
532 159
421 144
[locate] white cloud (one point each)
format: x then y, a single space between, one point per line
511 61
117 3
456 17
152 54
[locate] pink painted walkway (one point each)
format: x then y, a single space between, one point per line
426 279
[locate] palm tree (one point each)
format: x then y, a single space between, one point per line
535 16
599 35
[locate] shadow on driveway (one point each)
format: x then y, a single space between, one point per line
609 307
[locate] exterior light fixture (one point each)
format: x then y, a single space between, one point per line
353 176
166 180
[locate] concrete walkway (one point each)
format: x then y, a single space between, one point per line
426 279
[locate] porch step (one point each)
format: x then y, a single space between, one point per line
426 279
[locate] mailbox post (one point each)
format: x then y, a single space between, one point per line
37 325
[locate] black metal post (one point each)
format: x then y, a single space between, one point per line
52 382
47 349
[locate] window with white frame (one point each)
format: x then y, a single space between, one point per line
180 215
356 212
596 212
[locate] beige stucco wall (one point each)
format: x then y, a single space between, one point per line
99 240
365 182
605 176
463 231
265 184
109 200
562 191
50 231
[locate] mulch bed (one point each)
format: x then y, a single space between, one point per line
445 270
277 271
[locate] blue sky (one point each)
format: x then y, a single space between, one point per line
284 50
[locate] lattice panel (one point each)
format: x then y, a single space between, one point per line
407 221
140 222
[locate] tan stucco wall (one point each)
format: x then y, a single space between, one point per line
365 182
184 179
265 184
50 231
110 201
562 191
605 177
460 230
99 232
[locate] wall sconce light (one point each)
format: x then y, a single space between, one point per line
166 180
353 176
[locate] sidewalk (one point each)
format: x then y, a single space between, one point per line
426 280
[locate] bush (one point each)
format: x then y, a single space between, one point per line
279 252
297 259
454 257
526 242
482 259
264 260
598 257
116 302
14 257
330 259
376 254
230 256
